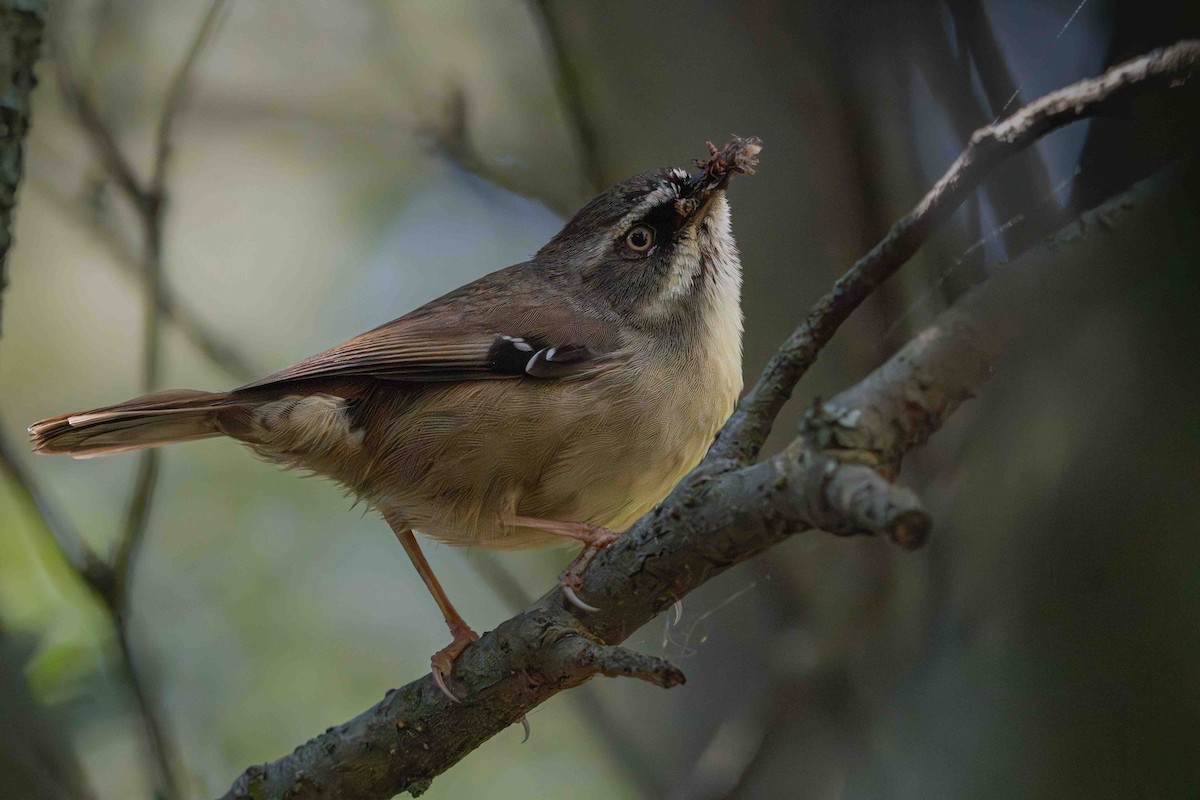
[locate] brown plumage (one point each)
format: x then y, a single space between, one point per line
561 397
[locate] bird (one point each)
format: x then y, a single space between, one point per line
558 399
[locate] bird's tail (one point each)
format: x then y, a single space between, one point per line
179 415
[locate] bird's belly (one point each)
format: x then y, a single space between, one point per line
610 472
602 457
613 478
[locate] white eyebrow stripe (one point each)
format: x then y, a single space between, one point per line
668 191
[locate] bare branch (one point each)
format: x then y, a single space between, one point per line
900 405
163 749
744 434
570 94
21 27
149 201
133 531
78 554
209 343
450 134
858 500
599 714
177 95
154 200
950 80
99 137
450 129
716 518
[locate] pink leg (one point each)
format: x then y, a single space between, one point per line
461 633
594 538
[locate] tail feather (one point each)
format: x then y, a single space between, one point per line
178 415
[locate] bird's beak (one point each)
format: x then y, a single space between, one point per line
738 156
695 208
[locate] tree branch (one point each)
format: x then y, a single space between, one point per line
832 477
743 436
176 98
150 201
111 582
450 133
210 344
570 94
950 81
21 26
78 554
591 706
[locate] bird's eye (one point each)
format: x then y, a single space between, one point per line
640 240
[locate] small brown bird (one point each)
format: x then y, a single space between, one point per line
560 398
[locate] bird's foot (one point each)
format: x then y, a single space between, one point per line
595 539
443 660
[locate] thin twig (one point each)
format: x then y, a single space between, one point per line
99 137
78 554
223 354
101 579
743 436
162 748
451 135
137 517
149 201
154 199
177 95
22 30
570 94
951 85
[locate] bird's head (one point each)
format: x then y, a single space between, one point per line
658 245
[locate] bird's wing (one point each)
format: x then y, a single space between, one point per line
493 328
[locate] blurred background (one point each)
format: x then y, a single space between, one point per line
340 163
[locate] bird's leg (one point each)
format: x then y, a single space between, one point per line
594 538
461 633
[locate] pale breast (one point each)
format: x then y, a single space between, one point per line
646 454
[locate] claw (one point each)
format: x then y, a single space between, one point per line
678 608
574 600
443 660
525 724
440 681
572 577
